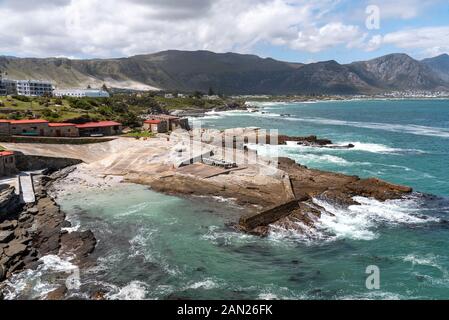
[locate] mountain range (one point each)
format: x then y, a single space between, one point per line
232 73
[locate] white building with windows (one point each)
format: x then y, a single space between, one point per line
81 93
34 87
28 88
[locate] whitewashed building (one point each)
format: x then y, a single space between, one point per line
81 93
34 88
29 88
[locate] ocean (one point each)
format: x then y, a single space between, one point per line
154 246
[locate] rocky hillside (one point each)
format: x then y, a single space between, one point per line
232 73
397 72
440 65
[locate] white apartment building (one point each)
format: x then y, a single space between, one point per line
33 87
81 93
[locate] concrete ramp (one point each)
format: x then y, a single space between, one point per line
26 188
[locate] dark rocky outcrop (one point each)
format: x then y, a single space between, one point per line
311 140
37 231
9 201
307 184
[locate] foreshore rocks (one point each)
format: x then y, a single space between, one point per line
308 184
311 141
37 231
9 201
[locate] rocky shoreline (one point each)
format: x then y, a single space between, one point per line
310 184
38 230
280 194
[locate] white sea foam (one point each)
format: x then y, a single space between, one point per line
33 284
303 157
135 290
429 260
206 284
358 222
268 296
303 233
402 128
142 245
378 148
218 236
314 159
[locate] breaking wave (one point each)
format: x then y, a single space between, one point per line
135 290
401 128
36 284
357 222
379 148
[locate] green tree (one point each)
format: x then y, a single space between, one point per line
105 88
198 94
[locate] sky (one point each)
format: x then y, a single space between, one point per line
291 30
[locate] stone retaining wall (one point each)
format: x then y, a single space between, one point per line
269 216
32 163
53 140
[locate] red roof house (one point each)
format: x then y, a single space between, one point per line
101 128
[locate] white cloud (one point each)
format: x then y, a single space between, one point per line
105 28
430 41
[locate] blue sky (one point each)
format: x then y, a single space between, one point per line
291 30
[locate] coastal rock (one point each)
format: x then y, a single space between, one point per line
48 223
15 249
8 225
378 189
33 211
99 296
307 141
338 198
57 294
262 231
308 184
25 218
2 273
79 244
6 236
9 201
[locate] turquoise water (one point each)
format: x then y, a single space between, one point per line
405 141
153 246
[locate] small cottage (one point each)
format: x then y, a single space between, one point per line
62 130
155 126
